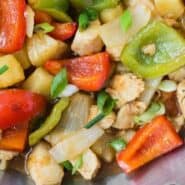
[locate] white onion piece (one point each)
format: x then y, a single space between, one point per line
167 86
76 144
69 91
29 15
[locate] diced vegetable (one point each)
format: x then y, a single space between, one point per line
151 141
118 144
77 164
39 82
69 91
169 55
3 69
110 14
76 144
50 122
114 44
67 165
22 57
63 31
126 20
14 138
44 27
88 73
170 9
41 17
13 25
19 107
80 4
73 118
14 74
167 86
42 47
154 110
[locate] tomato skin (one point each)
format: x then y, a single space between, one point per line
63 31
12 25
88 73
19 106
151 141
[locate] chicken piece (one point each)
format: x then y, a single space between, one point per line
125 88
106 122
127 135
42 167
178 75
6 156
125 116
88 41
90 166
181 96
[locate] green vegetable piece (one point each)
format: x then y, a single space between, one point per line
59 83
50 123
81 4
154 110
169 52
3 69
45 27
78 164
126 20
167 86
92 14
105 104
118 144
83 21
67 165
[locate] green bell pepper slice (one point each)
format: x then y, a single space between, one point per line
50 123
80 4
169 53
56 8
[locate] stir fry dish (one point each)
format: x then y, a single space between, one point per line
87 82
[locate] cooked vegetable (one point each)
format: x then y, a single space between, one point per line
76 144
169 55
63 31
170 9
110 14
57 9
151 141
67 165
88 73
12 35
78 164
69 91
22 57
59 83
39 82
118 144
73 118
126 20
50 122
19 106
15 138
42 167
41 17
167 86
44 27
154 110
42 47
14 74
80 4
3 69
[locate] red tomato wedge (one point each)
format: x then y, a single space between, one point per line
14 138
63 31
19 106
12 25
153 140
41 17
88 73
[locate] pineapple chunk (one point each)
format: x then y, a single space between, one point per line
14 74
39 82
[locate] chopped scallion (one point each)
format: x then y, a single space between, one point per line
126 20
45 27
118 144
3 69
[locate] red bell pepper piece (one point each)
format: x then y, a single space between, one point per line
63 31
19 106
88 73
41 17
151 141
12 25
14 138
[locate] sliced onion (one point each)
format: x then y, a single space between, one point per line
167 86
76 144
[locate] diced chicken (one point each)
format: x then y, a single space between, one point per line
88 41
5 156
178 75
42 167
178 122
125 117
106 122
90 166
127 135
125 88
181 96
